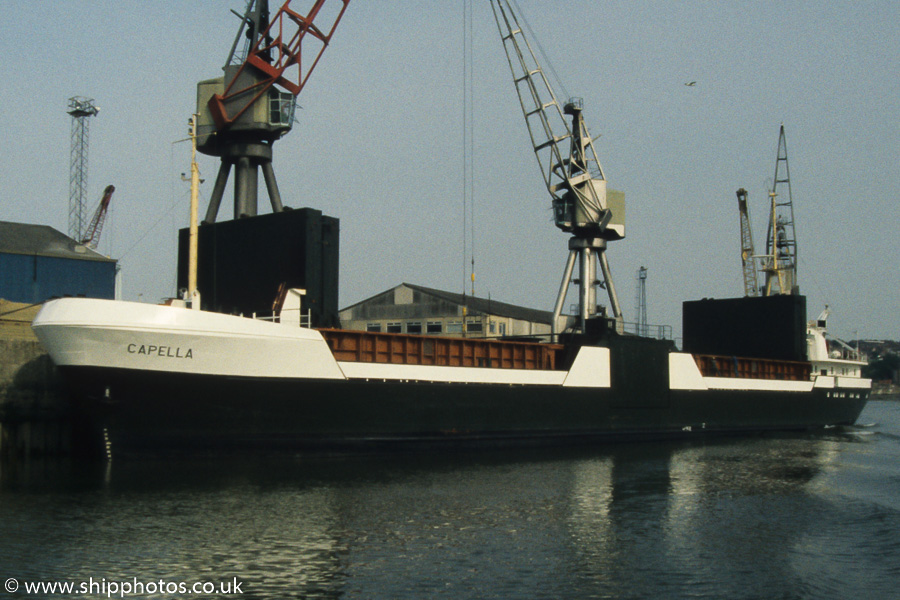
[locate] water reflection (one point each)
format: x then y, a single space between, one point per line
622 521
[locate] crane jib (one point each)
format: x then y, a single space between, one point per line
277 49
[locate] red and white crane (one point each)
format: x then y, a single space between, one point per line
242 113
92 234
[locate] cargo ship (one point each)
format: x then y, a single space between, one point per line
159 379
194 376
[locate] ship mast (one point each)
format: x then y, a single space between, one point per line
193 295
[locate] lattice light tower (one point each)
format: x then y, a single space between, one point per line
81 109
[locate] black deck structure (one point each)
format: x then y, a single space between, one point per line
243 262
754 327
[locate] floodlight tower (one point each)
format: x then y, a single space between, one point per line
81 109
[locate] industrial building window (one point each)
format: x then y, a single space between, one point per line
395 327
373 327
454 327
434 327
414 327
502 328
492 327
474 327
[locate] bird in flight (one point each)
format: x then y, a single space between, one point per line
691 83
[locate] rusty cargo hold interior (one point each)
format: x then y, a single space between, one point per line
752 368
405 349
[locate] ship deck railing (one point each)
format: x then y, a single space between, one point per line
656 332
301 320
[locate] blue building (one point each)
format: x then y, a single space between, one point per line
38 262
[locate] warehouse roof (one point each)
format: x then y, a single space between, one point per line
43 240
486 305
475 305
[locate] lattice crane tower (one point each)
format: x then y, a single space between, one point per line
781 240
81 110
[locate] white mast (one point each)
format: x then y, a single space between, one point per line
193 293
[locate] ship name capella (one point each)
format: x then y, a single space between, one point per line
161 351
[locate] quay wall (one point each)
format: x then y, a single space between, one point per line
35 419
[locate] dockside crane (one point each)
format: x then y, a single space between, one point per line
573 175
92 233
780 261
748 258
243 113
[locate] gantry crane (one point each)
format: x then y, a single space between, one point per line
92 233
244 112
748 258
573 177
780 261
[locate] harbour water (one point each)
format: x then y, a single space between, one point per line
775 516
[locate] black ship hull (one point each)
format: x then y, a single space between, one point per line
148 413
166 380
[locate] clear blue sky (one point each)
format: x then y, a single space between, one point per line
379 143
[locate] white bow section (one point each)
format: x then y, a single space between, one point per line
131 335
